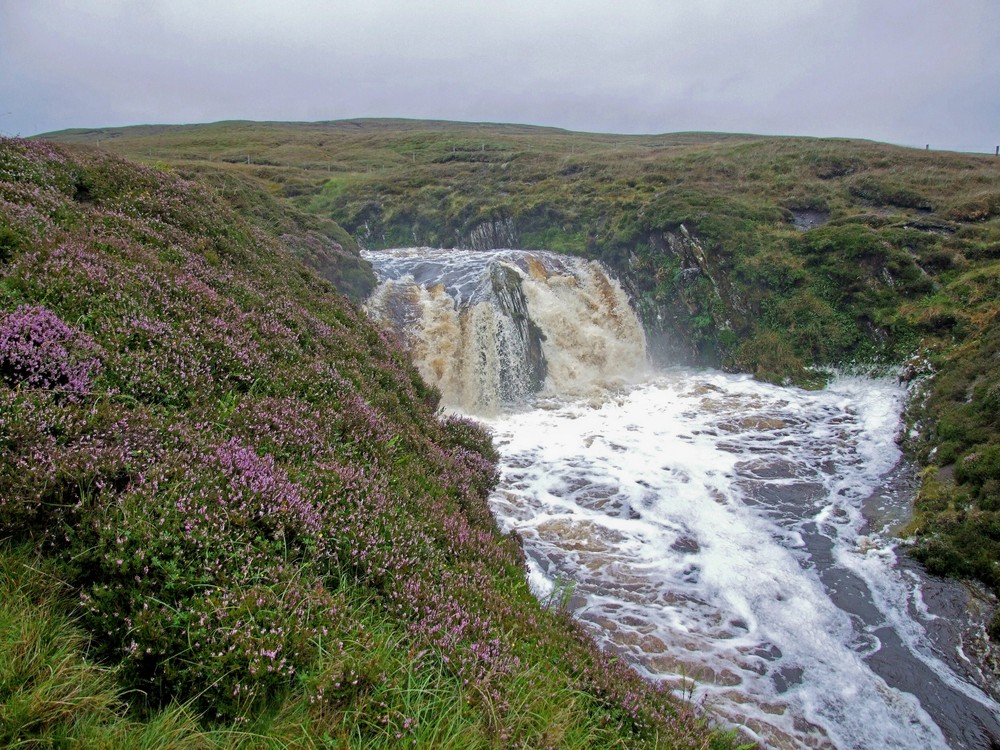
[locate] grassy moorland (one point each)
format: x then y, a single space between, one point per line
767 255
229 514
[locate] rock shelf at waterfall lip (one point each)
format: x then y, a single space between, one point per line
463 273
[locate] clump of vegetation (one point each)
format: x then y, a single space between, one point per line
39 350
958 438
229 513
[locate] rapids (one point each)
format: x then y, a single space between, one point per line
730 537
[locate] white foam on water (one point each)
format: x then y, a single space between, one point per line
681 509
708 527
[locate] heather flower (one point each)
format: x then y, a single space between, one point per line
38 350
258 490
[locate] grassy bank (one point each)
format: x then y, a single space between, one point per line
766 255
229 514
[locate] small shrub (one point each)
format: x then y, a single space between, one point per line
770 358
979 465
38 350
10 242
993 629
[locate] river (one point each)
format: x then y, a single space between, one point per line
729 537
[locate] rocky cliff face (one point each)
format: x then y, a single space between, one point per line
510 298
684 300
494 235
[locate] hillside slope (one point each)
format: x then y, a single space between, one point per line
766 255
229 515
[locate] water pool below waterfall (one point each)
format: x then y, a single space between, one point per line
730 537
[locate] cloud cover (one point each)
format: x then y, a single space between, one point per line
913 72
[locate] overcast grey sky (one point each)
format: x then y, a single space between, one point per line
912 72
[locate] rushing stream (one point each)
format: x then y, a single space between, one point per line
730 537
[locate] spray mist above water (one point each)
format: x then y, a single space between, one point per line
489 328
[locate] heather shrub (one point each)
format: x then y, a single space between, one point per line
58 453
237 647
200 568
252 508
38 350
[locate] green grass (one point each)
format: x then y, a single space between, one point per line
48 689
53 696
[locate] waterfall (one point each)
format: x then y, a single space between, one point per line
729 538
488 328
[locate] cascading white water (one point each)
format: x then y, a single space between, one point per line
726 536
483 326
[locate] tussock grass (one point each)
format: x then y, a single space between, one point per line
46 688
